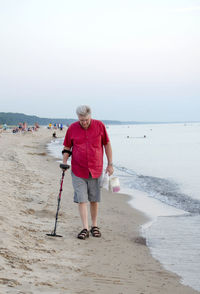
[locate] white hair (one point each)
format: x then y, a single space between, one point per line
83 110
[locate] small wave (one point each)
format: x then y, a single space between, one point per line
164 190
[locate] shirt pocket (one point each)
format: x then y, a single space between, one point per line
95 141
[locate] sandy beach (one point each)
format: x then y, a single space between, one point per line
31 262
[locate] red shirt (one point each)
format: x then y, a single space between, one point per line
87 148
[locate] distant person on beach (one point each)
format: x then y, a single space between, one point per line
54 135
86 141
5 127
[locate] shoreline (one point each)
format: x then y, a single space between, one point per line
33 263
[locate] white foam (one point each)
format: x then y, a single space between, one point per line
151 206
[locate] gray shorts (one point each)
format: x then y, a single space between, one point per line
86 189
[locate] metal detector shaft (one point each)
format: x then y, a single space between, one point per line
59 198
64 167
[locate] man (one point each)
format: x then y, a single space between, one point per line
86 141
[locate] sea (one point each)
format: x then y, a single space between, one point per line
158 165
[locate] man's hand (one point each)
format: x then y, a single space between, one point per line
110 170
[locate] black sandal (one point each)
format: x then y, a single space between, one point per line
83 234
95 232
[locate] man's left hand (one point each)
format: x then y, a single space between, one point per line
110 170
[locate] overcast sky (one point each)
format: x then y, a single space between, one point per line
128 59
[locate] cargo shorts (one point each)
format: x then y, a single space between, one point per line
86 189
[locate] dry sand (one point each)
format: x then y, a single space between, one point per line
31 262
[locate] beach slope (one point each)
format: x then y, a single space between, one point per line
31 262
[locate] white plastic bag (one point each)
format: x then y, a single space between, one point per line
105 181
114 185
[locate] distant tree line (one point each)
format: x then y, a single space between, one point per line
13 119
10 118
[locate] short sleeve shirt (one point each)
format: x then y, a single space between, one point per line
87 148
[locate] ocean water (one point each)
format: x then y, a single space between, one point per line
159 166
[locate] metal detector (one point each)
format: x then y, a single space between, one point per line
64 167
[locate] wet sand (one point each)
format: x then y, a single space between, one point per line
31 262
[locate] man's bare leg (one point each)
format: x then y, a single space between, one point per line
84 214
94 213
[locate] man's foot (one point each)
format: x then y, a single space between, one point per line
83 234
95 232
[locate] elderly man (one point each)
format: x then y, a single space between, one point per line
86 141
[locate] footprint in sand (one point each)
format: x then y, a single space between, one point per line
47 213
9 282
40 154
29 211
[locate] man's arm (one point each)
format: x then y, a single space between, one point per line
66 155
108 151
